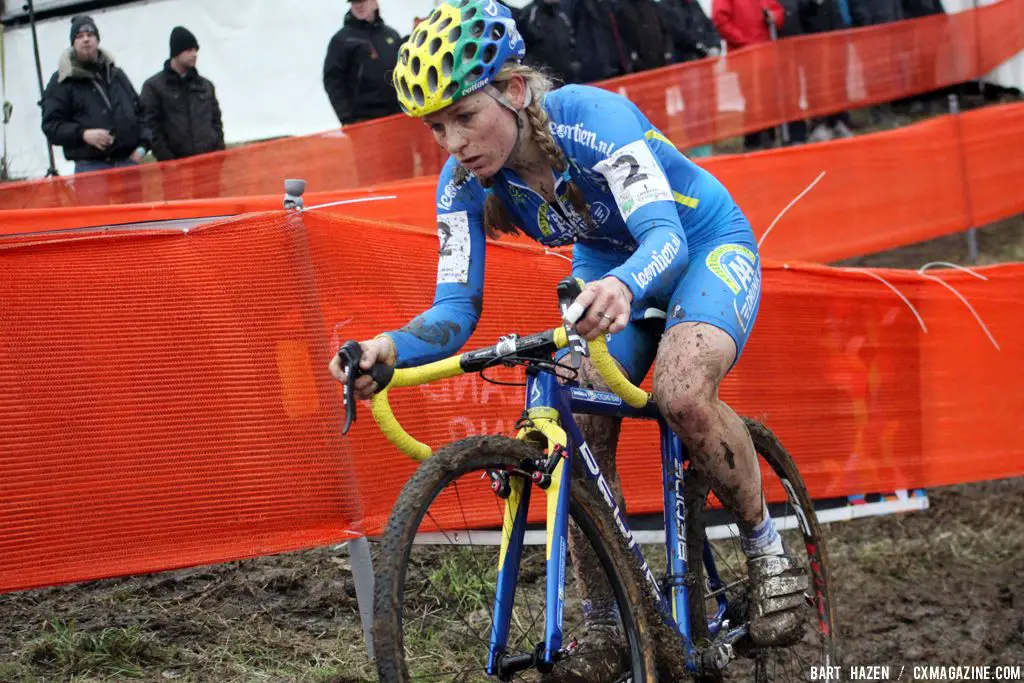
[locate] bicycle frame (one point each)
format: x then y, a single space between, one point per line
549 408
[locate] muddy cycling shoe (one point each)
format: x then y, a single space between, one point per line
777 608
600 657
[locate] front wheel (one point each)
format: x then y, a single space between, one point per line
797 523
436 586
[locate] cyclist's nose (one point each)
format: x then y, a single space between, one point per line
454 140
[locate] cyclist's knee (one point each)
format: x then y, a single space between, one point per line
689 368
689 405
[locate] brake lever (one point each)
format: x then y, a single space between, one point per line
568 289
350 353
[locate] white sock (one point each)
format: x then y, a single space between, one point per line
763 539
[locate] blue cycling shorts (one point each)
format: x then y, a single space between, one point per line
721 286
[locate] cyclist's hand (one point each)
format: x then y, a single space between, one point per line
379 350
606 304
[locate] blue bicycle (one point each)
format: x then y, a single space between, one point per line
461 594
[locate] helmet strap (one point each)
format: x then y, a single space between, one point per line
520 114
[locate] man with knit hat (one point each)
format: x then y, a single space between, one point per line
90 107
180 106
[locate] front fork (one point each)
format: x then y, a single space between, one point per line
552 475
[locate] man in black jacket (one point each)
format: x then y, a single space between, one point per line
550 42
180 106
360 60
599 50
90 107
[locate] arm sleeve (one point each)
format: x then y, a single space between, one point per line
334 78
57 124
145 131
643 195
721 15
151 120
218 123
445 327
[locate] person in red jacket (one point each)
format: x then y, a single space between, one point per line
742 23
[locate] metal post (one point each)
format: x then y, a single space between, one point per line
52 171
773 32
362 574
972 236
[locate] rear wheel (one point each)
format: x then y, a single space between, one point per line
798 524
434 603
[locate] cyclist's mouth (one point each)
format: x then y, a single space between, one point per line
470 162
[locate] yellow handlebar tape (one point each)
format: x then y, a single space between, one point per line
617 382
410 377
451 367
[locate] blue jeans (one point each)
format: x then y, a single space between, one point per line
86 166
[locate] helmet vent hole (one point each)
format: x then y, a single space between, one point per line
497 31
455 34
447 64
469 14
405 56
444 24
469 51
420 38
417 95
475 73
432 79
416 66
435 45
404 84
450 90
477 28
489 52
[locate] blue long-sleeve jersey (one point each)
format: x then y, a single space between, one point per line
649 205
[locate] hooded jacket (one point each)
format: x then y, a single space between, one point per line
79 97
357 70
182 113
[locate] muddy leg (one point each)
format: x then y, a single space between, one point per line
692 360
602 436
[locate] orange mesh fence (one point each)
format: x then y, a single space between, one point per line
838 365
166 400
693 103
163 403
880 191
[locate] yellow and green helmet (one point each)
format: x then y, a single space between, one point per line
457 50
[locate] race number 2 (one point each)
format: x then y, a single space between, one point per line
634 177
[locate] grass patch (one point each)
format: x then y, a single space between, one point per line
68 651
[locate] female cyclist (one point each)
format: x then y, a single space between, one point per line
650 230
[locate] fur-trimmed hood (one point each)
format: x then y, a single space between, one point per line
70 67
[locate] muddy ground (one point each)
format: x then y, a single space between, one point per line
939 587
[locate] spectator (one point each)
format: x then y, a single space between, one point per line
645 33
694 37
693 34
90 107
743 23
791 66
550 42
180 106
872 12
358 66
599 48
826 74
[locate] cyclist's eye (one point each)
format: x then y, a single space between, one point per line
437 128
464 118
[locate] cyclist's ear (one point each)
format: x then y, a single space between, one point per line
515 92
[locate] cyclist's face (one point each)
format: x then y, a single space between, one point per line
477 131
